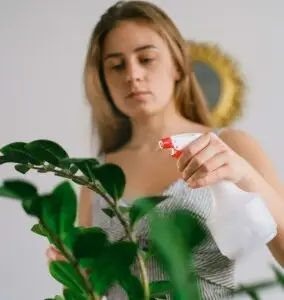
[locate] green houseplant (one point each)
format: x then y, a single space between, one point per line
93 262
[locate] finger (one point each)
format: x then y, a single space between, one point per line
190 150
209 178
205 160
54 255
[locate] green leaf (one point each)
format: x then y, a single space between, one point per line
252 293
89 243
85 165
17 153
112 179
73 169
39 229
33 206
142 206
132 286
46 150
22 168
4 159
110 213
279 275
59 210
22 189
7 193
65 273
70 295
57 297
113 264
173 237
159 289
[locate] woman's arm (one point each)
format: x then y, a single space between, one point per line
263 179
85 207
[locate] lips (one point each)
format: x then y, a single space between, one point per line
138 94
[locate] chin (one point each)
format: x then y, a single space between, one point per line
143 114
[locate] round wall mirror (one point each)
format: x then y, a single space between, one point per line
220 80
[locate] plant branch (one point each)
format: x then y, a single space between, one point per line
128 230
130 235
70 258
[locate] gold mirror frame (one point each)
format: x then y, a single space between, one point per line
232 88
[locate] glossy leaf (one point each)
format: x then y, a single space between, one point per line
173 237
25 192
65 273
132 286
17 153
48 151
112 179
22 168
252 294
39 229
279 275
159 289
7 193
85 165
20 189
70 295
113 264
59 210
33 206
110 213
142 206
90 243
4 159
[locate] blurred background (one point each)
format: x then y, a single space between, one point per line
42 51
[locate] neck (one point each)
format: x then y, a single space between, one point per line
146 133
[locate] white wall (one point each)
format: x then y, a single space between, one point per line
42 49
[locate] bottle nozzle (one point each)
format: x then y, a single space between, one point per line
165 143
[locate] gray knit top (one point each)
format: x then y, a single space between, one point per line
215 272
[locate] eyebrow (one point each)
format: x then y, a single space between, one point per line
119 54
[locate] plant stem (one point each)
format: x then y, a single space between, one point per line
130 235
128 230
71 259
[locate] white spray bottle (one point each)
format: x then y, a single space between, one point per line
239 221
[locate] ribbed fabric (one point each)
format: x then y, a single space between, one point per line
215 272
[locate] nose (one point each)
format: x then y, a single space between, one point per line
134 73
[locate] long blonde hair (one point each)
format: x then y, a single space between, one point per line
113 128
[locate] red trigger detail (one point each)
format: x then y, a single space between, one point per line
166 143
176 153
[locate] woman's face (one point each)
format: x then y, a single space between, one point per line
139 70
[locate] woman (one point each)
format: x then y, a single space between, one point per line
141 88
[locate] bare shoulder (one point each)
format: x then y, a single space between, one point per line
244 144
247 146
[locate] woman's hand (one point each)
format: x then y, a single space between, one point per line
208 160
53 254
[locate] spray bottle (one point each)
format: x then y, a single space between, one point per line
239 221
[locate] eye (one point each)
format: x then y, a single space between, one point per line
146 60
118 67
